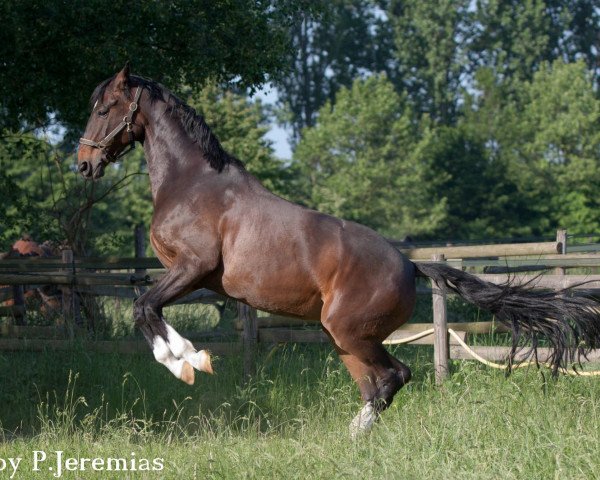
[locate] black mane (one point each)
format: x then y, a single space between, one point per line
193 123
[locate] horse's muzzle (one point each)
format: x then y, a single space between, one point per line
89 170
85 168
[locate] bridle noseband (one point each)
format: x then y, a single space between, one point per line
107 141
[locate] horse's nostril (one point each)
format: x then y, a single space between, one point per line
84 167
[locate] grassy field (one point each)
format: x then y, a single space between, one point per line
291 421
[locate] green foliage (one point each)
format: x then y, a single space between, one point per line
429 49
30 189
521 164
559 137
545 138
515 37
54 52
358 161
474 190
333 43
441 46
495 125
475 130
48 200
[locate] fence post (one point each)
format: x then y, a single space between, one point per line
440 327
139 234
247 316
70 301
18 304
139 238
561 244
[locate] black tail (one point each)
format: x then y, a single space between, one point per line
570 324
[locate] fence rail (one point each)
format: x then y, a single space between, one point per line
501 250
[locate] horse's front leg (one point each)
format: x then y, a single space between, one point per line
169 348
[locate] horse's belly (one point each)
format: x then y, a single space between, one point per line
283 295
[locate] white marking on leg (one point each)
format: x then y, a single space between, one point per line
183 348
163 354
178 345
364 421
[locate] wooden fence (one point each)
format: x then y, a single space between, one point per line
106 277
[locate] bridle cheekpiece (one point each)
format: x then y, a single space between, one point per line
127 123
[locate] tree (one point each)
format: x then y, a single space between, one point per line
53 53
560 137
334 43
21 212
515 37
491 117
512 37
50 55
430 48
480 198
46 199
357 162
543 136
581 38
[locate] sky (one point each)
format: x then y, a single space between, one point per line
278 135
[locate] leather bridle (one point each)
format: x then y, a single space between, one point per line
107 141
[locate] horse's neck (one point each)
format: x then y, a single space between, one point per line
170 154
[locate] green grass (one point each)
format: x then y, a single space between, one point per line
291 421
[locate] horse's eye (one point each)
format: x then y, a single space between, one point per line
103 112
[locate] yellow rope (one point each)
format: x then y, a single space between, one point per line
412 338
479 358
520 365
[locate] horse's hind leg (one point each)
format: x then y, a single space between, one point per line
378 374
169 348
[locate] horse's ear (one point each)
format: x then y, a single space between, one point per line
122 78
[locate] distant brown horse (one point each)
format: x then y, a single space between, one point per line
48 297
216 226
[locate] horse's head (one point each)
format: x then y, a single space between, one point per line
113 127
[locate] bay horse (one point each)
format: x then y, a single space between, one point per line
46 298
215 226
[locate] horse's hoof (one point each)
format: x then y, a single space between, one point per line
205 365
187 373
201 361
363 422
